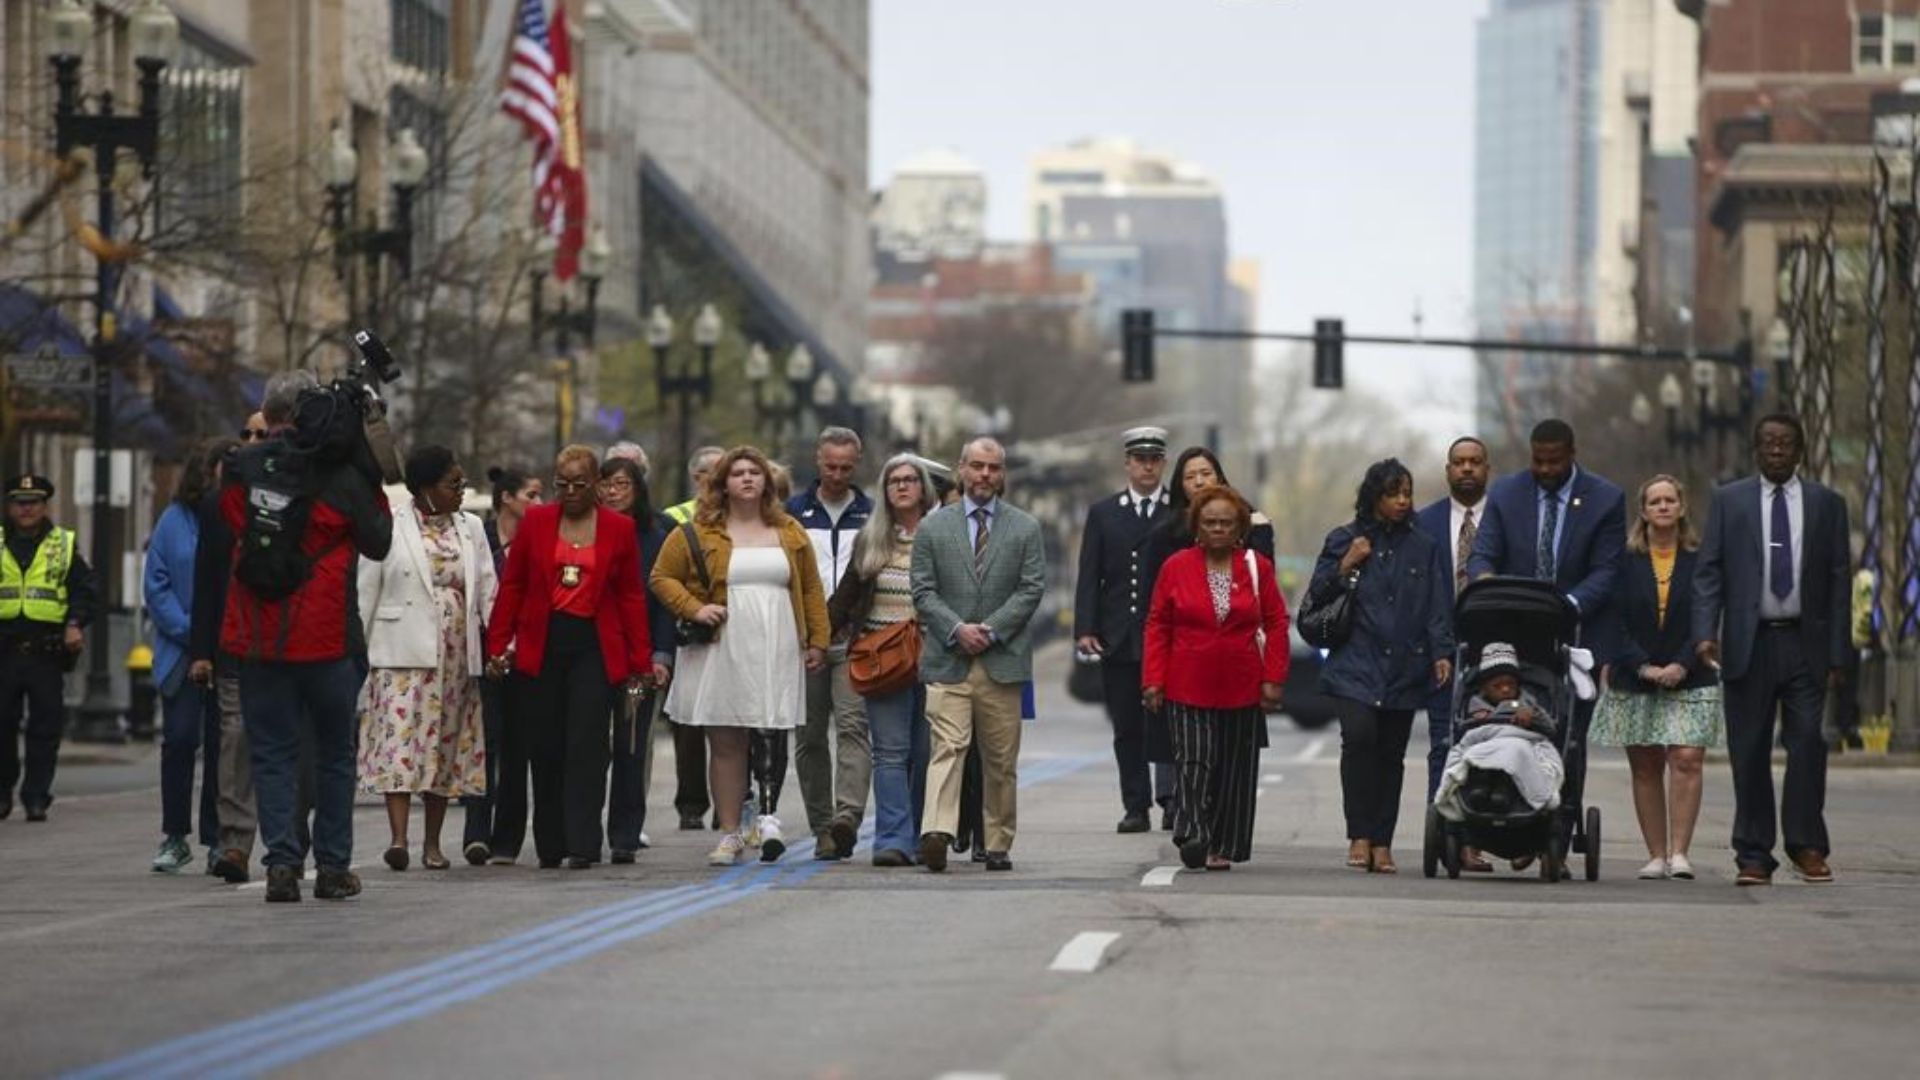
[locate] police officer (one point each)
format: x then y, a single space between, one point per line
1109 618
46 602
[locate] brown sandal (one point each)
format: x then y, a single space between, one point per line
433 859
1359 853
1382 862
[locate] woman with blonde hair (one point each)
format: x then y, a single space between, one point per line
1662 702
742 580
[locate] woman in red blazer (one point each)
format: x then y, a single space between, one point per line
570 625
1205 663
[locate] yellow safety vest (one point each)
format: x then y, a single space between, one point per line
681 513
40 594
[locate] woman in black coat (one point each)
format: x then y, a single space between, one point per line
1399 650
1662 703
623 488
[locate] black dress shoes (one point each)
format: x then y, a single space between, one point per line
622 858
692 823
1193 853
577 862
933 851
6 806
997 860
37 811
1133 822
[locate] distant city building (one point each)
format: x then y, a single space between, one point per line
934 207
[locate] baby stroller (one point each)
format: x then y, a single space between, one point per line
1543 627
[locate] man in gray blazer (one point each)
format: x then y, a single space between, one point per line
1770 606
979 569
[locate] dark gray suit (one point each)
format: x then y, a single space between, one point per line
1774 664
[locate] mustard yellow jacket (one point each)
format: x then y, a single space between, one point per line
676 584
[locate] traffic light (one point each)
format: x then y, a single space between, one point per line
1329 342
1136 339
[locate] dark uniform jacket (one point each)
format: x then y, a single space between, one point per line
1403 620
81 594
1111 596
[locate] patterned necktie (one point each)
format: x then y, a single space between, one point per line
1462 551
1780 549
1543 556
980 516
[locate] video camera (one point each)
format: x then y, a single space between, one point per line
342 421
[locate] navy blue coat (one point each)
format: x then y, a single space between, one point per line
1404 621
1436 520
1593 537
1642 636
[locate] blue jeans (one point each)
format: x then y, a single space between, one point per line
280 701
189 722
900 749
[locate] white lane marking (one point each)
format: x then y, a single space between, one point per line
1312 749
1083 953
1160 876
1272 778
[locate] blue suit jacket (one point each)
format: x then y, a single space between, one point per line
1593 538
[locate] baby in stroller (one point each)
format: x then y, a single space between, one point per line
1505 730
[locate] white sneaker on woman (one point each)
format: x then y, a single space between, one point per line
1655 870
772 846
727 851
1679 867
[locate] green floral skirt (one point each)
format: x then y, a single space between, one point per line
1662 718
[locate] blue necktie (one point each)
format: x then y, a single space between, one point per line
1780 550
1543 554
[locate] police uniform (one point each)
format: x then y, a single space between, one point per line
1110 602
45 587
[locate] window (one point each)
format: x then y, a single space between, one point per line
1882 40
419 29
202 125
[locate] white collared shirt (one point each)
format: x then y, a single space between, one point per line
1771 606
1132 499
1457 517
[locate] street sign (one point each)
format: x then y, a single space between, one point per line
50 371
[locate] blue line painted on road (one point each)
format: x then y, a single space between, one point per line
293 1032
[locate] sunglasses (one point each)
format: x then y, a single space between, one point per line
253 434
573 485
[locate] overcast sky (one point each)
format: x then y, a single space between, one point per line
1341 132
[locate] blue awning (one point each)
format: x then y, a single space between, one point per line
27 322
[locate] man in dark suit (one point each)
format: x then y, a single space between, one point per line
1770 607
1558 522
1453 523
1110 611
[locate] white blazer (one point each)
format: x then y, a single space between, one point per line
397 606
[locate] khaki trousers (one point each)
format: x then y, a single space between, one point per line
958 714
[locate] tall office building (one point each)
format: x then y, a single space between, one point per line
1536 181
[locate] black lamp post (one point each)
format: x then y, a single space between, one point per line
688 381
1780 348
563 324
1710 423
153 33
407 167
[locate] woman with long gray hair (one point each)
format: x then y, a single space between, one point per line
873 596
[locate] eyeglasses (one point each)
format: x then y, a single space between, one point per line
573 485
903 481
619 483
253 434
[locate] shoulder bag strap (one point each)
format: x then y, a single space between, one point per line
699 557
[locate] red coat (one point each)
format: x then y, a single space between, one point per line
1199 660
348 518
525 604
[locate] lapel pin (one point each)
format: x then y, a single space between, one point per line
1576 504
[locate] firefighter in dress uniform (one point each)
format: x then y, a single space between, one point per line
46 602
1109 618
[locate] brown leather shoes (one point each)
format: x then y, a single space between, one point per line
1812 868
1753 875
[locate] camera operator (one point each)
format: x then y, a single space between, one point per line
304 506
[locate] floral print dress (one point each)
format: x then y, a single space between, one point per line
420 728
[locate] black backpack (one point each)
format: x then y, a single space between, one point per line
279 482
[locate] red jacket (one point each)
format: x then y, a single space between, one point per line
525 604
349 518
1197 659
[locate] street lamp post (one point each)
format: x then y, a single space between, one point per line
595 257
688 381
153 33
407 166
800 369
1780 348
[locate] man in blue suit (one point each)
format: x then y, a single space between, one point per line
1558 522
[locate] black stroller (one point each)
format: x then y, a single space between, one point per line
1542 625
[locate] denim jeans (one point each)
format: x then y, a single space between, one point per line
900 749
280 702
190 725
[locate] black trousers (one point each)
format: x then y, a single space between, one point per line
559 722
1218 753
493 714
1373 750
1778 679
767 761
690 771
626 797
30 682
1140 786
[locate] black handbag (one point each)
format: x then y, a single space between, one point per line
686 631
1327 623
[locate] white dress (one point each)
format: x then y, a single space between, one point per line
753 676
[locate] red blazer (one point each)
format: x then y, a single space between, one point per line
1201 661
525 604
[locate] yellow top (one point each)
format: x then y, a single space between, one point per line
1662 577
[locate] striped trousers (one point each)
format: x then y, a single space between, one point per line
1217 753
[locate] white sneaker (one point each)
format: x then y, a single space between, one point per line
1655 870
750 836
1679 867
726 852
771 845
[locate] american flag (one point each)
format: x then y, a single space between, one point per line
540 94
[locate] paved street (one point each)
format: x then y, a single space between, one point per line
1084 961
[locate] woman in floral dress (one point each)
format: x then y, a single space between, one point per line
421 730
